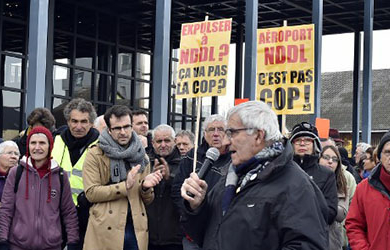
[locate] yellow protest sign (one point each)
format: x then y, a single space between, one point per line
285 68
204 58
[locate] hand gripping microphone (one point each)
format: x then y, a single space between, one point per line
212 155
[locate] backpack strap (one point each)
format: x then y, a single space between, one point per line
61 176
19 171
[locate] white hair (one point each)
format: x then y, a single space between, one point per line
258 115
6 144
213 118
164 127
363 145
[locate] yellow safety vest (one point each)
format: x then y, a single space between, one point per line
61 154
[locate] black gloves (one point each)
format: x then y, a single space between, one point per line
72 246
4 245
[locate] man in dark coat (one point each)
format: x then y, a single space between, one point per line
265 201
163 218
213 132
307 147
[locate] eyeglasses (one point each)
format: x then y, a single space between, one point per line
230 132
12 153
218 129
305 140
119 129
328 157
386 153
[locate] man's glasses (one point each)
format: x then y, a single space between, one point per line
231 132
305 140
119 129
328 157
218 129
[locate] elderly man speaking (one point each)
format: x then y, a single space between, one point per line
265 201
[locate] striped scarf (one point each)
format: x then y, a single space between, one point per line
240 175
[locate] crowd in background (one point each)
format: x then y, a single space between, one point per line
111 182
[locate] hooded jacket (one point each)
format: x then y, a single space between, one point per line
34 223
367 221
277 209
325 180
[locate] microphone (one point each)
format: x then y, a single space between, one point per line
212 155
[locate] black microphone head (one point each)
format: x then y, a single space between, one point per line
212 154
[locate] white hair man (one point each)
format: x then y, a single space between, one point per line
265 201
163 218
213 133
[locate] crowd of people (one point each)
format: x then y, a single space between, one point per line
111 183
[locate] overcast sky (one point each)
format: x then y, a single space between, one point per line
337 51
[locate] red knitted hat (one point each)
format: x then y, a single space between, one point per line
41 130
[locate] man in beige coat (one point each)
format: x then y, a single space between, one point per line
117 180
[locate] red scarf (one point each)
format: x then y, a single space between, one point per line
44 169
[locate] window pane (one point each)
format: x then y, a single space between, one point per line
61 77
82 84
178 105
177 123
142 95
63 45
206 106
85 51
123 93
124 63
103 88
58 111
64 16
11 111
14 37
143 66
16 9
12 72
189 106
86 22
107 27
104 57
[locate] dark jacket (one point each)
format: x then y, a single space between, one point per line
368 217
218 169
35 223
163 218
2 184
325 180
22 143
277 209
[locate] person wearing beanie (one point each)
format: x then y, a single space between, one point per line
367 221
31 217
307 147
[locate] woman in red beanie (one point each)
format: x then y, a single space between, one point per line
31 217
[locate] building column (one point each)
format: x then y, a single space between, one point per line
161 61
356 92
367 70
37 51
317 16
251 13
